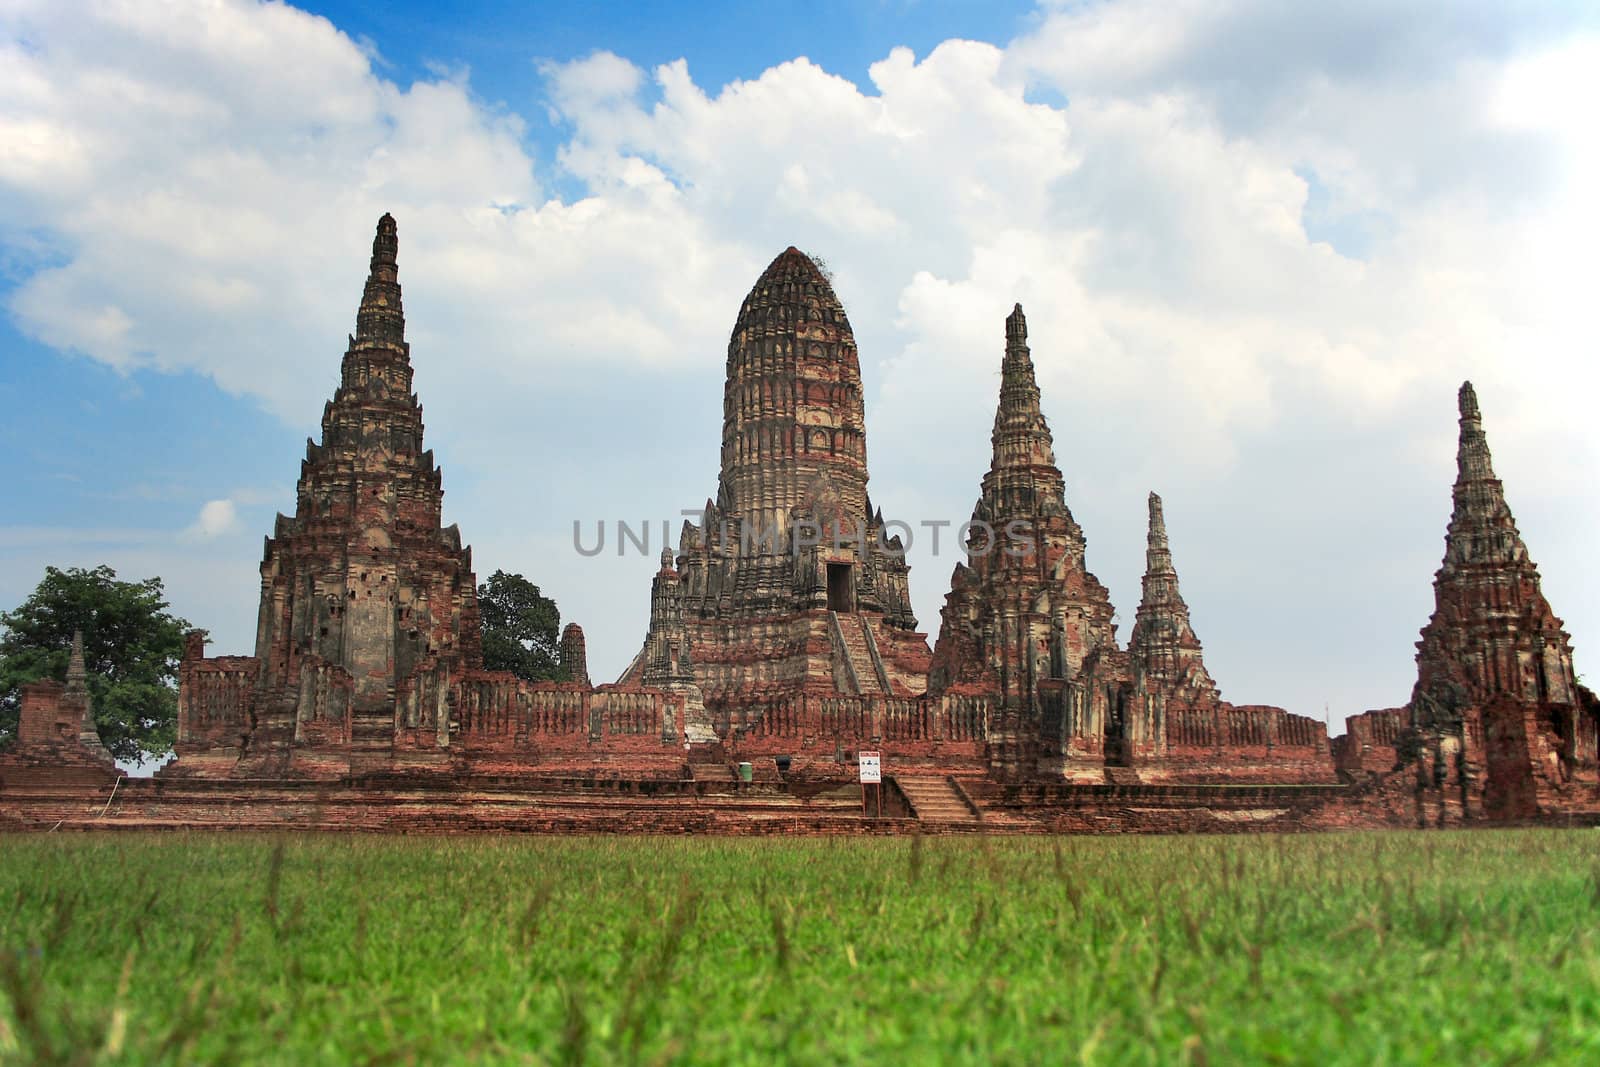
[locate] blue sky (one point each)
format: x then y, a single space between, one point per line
1259 245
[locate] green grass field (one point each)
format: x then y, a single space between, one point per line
1363 948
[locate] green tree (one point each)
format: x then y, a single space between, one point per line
131 646
521 628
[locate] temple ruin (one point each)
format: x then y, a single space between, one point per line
1498 726
781 643
787 584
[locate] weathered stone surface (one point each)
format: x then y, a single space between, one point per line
1371 742
1503 728
787 584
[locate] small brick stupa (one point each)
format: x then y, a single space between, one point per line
1165 652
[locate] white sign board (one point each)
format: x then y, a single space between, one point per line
871 767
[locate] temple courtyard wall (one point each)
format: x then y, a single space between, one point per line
589 802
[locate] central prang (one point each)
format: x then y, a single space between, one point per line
787 584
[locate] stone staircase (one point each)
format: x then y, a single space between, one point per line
860 656
712 772
935 799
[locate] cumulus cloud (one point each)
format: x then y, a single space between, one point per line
217 517
1259 246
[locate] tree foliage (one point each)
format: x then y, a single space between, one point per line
131 646
521 628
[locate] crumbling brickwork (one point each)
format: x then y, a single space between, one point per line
1372 741
789 583
1503 729
368 603
1033 627
57 738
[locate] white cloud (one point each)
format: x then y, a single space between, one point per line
217 517
1259 246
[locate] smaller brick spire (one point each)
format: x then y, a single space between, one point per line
1021 437
1495 684
1163 643
574 655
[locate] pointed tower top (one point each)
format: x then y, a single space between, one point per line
1473 462
385 243
1158 521
1016 327
794 267
381 320
1021 437
1158 556
1481 527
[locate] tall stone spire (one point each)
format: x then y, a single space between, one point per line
1163 645
1022 474
365 594
1504 725
1023 614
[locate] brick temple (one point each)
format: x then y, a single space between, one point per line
787 586
781 643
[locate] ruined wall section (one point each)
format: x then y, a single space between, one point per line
58 741
1372 742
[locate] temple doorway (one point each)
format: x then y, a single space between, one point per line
840 595
1116 743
